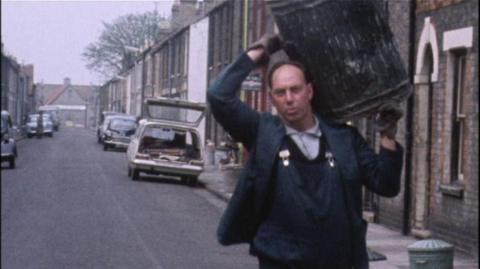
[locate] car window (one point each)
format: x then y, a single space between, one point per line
122 124
166 134
163 138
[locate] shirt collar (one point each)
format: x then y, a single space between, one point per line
314 130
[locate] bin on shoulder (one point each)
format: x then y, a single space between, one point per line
430 253
349 50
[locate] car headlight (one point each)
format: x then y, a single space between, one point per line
108 133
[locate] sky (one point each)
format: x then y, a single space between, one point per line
52 35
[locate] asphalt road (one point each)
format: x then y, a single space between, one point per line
69 204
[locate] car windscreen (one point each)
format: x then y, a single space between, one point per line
122 124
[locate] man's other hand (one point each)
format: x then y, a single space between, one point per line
387 118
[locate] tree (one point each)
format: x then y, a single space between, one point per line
108 55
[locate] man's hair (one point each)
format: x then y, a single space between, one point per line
279 64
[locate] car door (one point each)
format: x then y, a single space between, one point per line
178 112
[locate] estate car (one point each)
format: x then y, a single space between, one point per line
168 141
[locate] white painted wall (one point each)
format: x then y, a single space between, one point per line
197 65
128 91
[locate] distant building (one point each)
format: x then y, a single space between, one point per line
76 102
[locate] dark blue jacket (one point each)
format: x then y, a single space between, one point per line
262 135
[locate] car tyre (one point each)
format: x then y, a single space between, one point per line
135 174
105 147
29 136
129 172
50 135
190 180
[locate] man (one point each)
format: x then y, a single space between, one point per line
298 202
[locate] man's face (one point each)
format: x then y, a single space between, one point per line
291 96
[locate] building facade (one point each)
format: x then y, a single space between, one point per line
17 90
437 42
76 102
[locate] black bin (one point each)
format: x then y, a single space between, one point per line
349 50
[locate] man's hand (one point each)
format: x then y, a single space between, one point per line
387 118
261 49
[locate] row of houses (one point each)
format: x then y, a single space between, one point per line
17 92
21 96
437 40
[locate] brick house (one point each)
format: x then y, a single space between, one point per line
76 102
439 197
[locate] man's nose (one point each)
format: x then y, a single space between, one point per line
289 96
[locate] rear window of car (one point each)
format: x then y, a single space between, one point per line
123 124
166 134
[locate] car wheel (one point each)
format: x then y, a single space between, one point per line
129 173
190 180
193 181
29 136
105 147
135 174
50 135
12 163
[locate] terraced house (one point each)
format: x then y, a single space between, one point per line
437 41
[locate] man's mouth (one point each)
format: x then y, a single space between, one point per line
291 111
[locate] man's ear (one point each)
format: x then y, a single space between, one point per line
310 91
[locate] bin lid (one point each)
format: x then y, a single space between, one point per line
430 245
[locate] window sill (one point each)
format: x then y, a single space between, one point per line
454 190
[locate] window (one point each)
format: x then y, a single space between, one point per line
458 116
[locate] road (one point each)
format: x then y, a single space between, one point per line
69 204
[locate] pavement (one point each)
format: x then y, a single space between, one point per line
387 247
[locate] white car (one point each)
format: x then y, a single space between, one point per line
168 142
33 128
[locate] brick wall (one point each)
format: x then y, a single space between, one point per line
454 219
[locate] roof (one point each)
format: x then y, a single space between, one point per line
53 91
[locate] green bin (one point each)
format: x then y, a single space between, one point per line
431 253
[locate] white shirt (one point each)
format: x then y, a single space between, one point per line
307 141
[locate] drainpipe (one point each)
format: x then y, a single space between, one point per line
409 122
241 152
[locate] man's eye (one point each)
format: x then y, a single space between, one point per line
279 93
296 89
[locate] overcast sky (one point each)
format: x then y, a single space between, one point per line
51 35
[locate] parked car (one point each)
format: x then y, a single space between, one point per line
54 112
33 128
106 121
9 146
119 131
101 127
168 141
